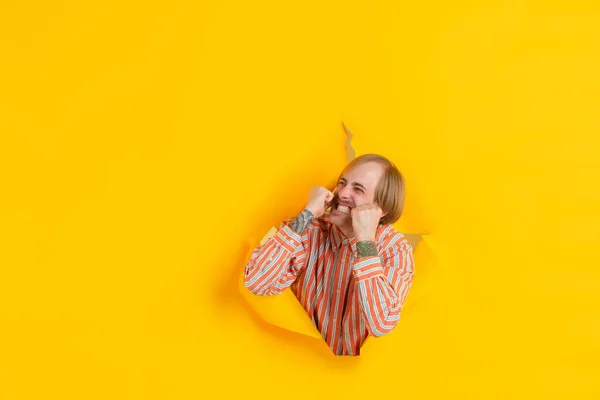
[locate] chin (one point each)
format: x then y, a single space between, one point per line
338 218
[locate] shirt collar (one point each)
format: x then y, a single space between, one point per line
337 237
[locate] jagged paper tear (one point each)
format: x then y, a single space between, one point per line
349 149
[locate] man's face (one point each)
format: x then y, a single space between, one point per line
356 187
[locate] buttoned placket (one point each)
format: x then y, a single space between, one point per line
347 279
343 272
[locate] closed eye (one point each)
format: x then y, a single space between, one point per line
357 186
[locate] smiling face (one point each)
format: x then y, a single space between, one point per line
354 188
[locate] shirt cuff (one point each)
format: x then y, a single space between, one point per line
367 267
289 239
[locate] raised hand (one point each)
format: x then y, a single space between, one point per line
319 200
365 220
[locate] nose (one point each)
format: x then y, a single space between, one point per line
344 193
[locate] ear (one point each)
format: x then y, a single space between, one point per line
383 213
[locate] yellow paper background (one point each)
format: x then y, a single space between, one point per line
142 145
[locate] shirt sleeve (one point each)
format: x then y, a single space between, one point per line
274 266
383 284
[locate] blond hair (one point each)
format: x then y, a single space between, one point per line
390 190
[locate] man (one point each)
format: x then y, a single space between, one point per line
341 257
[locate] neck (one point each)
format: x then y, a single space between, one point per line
348 232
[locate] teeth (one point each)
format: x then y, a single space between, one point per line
344 209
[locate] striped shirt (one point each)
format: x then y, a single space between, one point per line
347 298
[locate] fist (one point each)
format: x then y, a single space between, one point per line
319 200
365 220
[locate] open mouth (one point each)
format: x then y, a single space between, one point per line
343 209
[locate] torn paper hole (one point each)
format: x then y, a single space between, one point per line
284 310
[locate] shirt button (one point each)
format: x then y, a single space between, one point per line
334 320
338 291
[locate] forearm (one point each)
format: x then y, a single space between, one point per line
379 304
274 266
302 221
366 248
379 298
